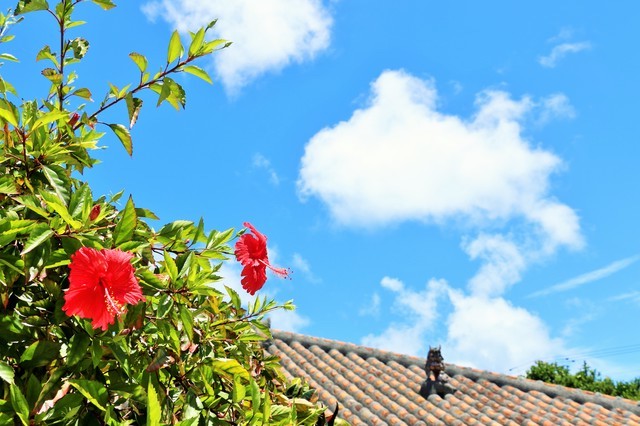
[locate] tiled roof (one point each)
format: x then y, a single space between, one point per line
375 387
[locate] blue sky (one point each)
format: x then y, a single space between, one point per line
448 173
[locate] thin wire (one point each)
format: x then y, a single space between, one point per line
599 353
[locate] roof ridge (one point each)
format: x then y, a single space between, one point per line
524 384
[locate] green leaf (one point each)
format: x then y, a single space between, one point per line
59 180
52 75
94 391
25 6
80 47
198 72
8 57
175 47
45 53
78 347
126 225
39 354
105 4
83 93
153 406
230 367
6 372
165 90
186 316
239 391
58 206
134 105
149 279
164 305
125 137
139 60
39 235
170 266
19 403
49 117
8 185
7 113
196 42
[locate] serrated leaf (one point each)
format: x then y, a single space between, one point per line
58 179
80 47
52 75
8 185
170 266
150 279
49 117
134 105
126 225
83 93
196 42
153 406
94 391
186 317
39 354
105 4
25 6
78 347
8 115
58 206
239 391
6 372
19 403
210 46
125 137
230 367
45 53
198 72
139 60
164 305
165 90
38 235
175 47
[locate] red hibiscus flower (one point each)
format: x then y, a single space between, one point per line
101 284
251 252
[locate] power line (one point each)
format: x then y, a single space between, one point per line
596 353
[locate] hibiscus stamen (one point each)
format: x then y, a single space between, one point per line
281 272
113 306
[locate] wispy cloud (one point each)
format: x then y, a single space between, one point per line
262 162
560 51
372 308
589 277
300 264
633 296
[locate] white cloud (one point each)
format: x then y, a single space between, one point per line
560 51
556 106
373 306
492 334
633 296
502 265
418 309
482 332
588 277
267 35
288 321
400 159
262 162
302 265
